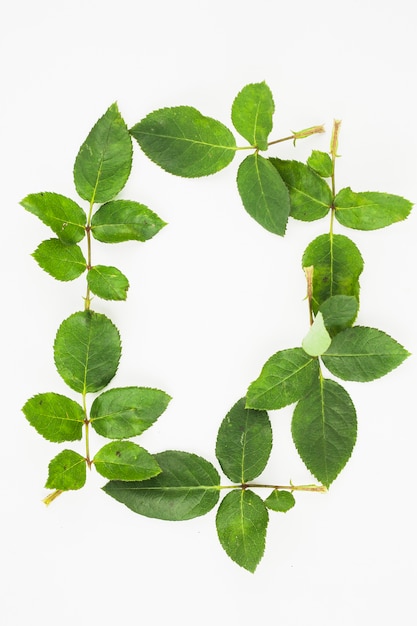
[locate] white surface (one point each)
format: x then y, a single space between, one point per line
212 296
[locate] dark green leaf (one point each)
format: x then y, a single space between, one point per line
61 214
317 339
284 379
263 193
252 112
124 220
321 163
337 266
67 471
128 411
103 163
55 417
187 487
281 501
184 142
124 460
363 354
324 429
310 195
339 312
244 443
87 351
107 282
370 210
60 260
241 522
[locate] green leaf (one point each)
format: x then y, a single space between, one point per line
187 487
321 163
60 260
184 142
337 266
125 220
107 282
317 339
252 112
124 460
279 500
263 193
103 162
87 351
369 210
363 354
310 195
339 312
284 379
244 443
324 429
67 471
55 417
61 214
241 523
128 411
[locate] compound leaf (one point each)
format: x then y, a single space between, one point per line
310 195
369 210
324 429
184 142
317 339
263 193
67 471
124 460
363 354
104 160
252 112
279 500
241 523
87 351
244 443
321 163
187 487
124 220
127 411
284 379
55 417
60 260
107 282
61 214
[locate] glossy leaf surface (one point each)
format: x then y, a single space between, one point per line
125 460
67 471
370 210
263 193
87 351
280 500
103 163
124 220
187 487
184 142
64 216
107 282
244 443
55 417
324 429
60 260
252 112
128 411
339 312
241 523
321 163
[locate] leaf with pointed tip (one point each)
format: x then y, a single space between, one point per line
87 351
339 312
124 460
321 163
125 220
127 411
284 379
241 522
263 193
337 266
55 417
252 112
324 429
61 214
184 142
187 487
369 210
280 500
317 339
60 260
244 443
107 282
310 195
67 471
363 354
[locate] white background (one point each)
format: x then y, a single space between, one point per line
212 297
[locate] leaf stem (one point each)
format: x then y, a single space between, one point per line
301 134
311 488
52 496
